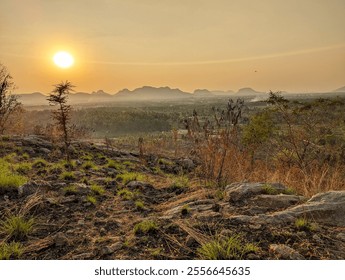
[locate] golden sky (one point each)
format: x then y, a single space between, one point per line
295 45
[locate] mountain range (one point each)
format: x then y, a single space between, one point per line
145 93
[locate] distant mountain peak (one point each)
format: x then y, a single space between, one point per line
247 90
342 89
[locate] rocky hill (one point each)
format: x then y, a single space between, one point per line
112 204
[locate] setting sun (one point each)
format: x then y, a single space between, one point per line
63 59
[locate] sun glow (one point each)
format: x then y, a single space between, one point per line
63 59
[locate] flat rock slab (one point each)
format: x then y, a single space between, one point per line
240 192
325 208
280 201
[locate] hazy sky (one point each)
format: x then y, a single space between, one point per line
294 45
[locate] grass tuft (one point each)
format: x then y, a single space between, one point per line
230 248
130 176
17 227
146 226
68 176
12 250
97 190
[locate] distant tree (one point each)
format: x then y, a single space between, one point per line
9 103
62 115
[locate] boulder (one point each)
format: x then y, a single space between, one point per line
35 141
107 250
282 251
240 192
280 201
32 187
60 239
325 208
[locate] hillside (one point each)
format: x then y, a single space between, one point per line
113 204
342 89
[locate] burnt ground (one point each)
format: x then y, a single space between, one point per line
73 221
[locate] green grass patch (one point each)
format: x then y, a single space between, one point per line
268 189
230 248
68 164
114 164
87 157
163 161
12 250
10 157
70 190
97 189
126 194
40 163
17 227
127 177
25 156
145 227
180 182
139 205
23 168
91 199
67 176
89 165
304 224
9 179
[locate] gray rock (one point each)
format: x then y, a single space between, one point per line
60 239
273 202
44 151
317 238
200 206
190 241
285 252
341 236
107 250
32 187
239 192
186 164
36 141
326 208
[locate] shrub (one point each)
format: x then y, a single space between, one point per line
12 250
146 226
17 227
230 248
96 189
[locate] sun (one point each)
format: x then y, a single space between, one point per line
63 59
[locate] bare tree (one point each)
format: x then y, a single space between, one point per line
62 115
9 103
